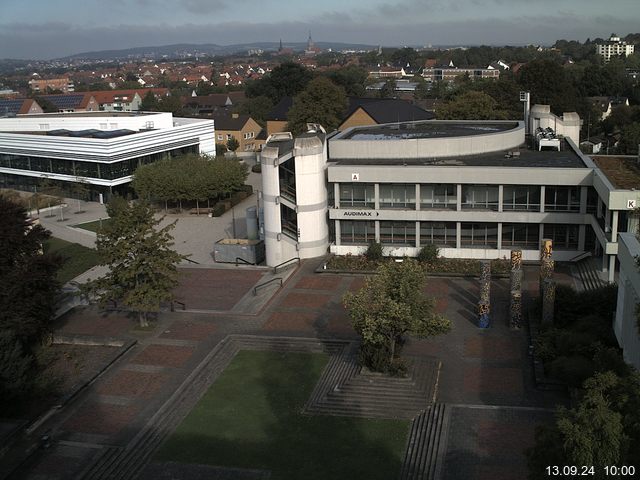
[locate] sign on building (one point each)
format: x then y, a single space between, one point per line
355 177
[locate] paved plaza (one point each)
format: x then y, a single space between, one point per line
482 378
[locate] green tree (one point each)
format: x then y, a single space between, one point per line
257 108
320 102
16 367
28 278
390 305
388 90
603 429
548 83
149 103
172 104
352 78
286 80
142 264
471 105
630 138
233 144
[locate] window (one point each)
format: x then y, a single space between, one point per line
357 195
482 235
521 197
44 126
562 199
483 197
398 233
523 235
564 237
289 220
442 234
397 195
438 196
220 137
357 233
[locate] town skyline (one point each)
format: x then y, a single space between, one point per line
64 29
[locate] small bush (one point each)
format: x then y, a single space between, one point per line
218 209
572 370
374 252
248 189
257 168
428 254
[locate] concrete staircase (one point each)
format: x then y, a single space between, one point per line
346 390
588 272
423 457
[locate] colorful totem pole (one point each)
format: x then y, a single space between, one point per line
484 305
547 285
515 310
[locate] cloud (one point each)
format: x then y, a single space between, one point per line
54 39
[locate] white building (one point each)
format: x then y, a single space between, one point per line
626 325
476 189
614 47
103 149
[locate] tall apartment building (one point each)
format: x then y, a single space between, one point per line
64 84
614 47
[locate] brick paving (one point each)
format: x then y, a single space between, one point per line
211 289
128 383
165 355
189 330
479 367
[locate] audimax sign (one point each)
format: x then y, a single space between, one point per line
360 213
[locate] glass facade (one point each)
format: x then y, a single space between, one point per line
397 195
442 234
79 168
562 199
357 195
438 196
565 237
521 198
482 197
398 233
287 172
523 235
481 235
357 233
289 220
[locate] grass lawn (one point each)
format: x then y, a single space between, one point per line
77 259
250 418
92 226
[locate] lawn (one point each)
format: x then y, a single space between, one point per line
92 226
251 418
77 259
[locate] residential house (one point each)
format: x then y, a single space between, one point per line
18 106
209 105
606 104
73 102
241 127
41 85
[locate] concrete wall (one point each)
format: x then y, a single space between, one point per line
568 125
625 325
428 147
78 121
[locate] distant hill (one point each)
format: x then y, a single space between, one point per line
191 50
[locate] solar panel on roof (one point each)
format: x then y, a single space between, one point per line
65 101
10 106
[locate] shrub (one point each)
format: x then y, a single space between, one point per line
428 254
573 370
257 168
248 189
218 209
374 252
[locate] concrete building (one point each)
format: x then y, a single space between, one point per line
614 47
476 189
101 149
626 325
64 84
449 74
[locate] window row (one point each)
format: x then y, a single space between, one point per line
472 235
481 197
78 168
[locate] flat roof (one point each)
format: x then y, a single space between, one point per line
622 172
429 129
527 158
87 114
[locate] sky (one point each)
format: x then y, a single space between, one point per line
45 29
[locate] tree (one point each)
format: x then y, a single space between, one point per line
142 264
471 105
390 305
320 102
548 83
630 138
149 103
603 429
352 78
28 277
233 144
257 108
286 80
388 90
171 104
